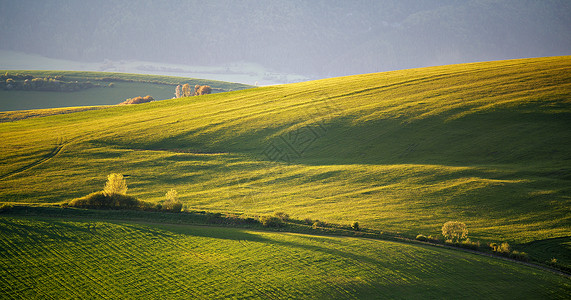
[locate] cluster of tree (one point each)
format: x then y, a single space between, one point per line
456 233
49 83
21 77
186 91
202 90
505 250
137 100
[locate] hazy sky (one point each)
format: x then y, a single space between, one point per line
313 38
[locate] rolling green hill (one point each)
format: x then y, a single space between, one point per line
488 144
123 86
71 259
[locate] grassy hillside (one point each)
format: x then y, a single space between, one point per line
124 86
488 144
64 259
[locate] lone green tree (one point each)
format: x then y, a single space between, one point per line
355 226
115 184
172 203
454 230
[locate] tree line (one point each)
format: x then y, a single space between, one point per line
49 83
186 91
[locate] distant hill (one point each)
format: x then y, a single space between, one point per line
57 89
488 144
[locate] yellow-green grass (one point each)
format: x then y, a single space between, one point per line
488 144
10 116
66 259
124 86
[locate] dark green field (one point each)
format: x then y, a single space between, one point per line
69 258
488 144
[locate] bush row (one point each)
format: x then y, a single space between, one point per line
102 200
51 84
501 249
138 100
504 249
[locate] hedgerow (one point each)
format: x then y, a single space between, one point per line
102 200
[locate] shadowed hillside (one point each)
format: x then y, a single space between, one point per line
487 144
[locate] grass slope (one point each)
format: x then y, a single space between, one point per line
125 86
488 144
10 116
64 259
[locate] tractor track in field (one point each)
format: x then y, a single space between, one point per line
398 240
55 151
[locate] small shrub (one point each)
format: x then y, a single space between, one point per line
173 207
271 221
433 239
317 224
504 248
138 100
116 184
308 221
355 226
519 255
10 83
470 245
5 207
422 238
454 230
553 261
282 216
215 218
172 203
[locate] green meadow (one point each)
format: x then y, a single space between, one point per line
71 259
488 144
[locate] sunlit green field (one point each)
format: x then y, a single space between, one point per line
63 259
488 144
